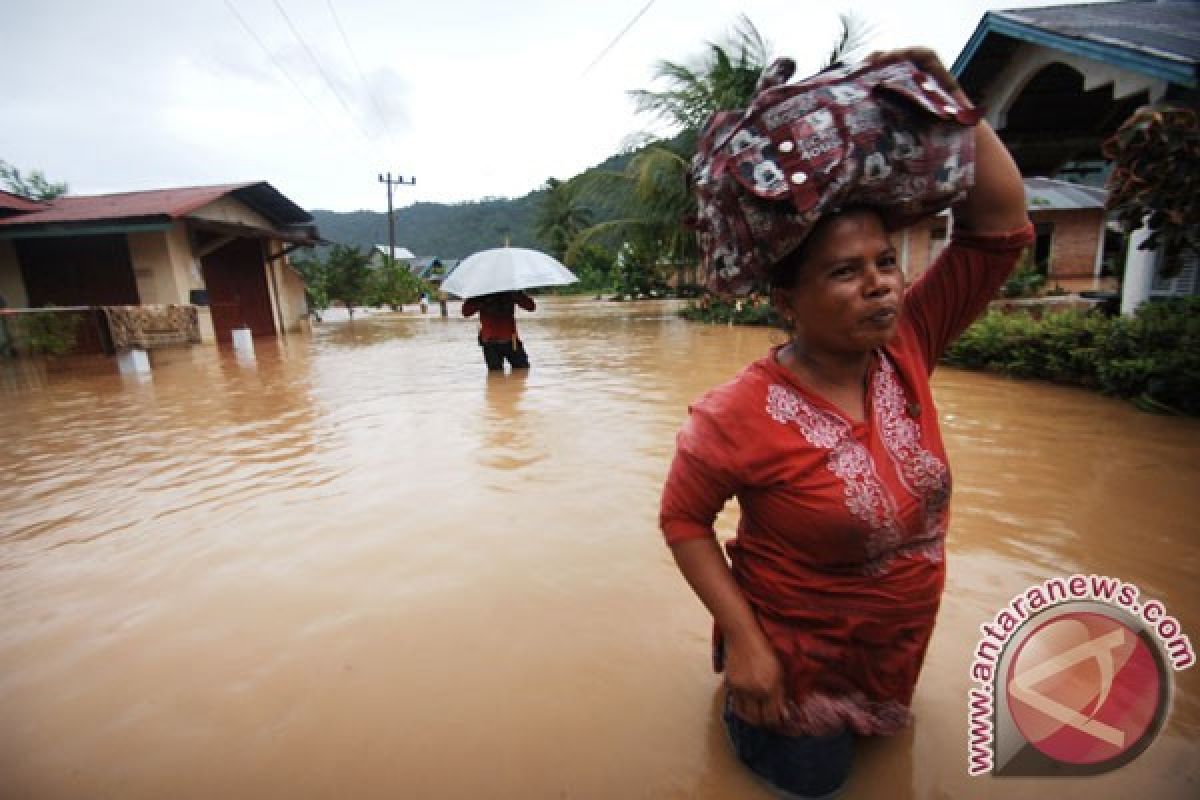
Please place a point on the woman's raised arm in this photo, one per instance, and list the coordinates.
(996, 203)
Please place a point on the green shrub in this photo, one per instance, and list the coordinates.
(1025, 282)
(49, 332)
(716, 310)
(1152, 358)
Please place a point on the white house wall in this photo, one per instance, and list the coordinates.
(12, 286)
(1030, 59)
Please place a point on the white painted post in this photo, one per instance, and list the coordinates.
(243, 340)
(133, 362)
(1139, 272)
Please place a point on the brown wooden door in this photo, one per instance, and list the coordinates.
(237, 289)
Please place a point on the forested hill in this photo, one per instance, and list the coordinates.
(435, 229)
(449, 231)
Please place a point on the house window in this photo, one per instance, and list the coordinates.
(1185, 284)
(1044, 236)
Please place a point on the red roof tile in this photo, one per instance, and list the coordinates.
(172, 203)
(14, 202)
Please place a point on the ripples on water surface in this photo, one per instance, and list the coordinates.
(358, 566)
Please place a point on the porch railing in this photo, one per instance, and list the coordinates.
(81, 330)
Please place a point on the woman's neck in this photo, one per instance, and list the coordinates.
(826, 370)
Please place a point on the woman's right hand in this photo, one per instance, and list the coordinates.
(753, 673)
(754, 679)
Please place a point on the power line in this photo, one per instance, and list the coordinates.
(618, 38)
(321, 69)
(246, 27)
(358, 68)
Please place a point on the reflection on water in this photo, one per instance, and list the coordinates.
(359, 565)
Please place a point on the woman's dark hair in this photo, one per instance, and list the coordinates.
(784, 272)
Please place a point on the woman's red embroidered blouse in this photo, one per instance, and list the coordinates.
(839, 548)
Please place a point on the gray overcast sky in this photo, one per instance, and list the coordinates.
(475, 98)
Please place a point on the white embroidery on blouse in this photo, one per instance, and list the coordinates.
(921, 473)
(820, 428)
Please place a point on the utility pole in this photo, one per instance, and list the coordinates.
(399, 181)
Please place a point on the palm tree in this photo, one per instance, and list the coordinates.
(560, 217)
(655, 181)
(723, 78)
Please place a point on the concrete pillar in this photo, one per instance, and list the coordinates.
(1139, 272)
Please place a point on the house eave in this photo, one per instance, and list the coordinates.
(1163, 66)
(84, 228)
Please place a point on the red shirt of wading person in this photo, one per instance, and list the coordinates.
(839, 548)
(497, 314)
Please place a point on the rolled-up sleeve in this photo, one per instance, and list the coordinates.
(958, 286)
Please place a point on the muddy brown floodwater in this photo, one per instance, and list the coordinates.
(357, 566)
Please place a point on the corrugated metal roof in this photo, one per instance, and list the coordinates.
(1047, 194)
(158, 203)
(1165, 28)
(1155, 38)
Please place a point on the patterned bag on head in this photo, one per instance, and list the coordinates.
(888, 137)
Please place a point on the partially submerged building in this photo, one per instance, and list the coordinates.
(162, 266)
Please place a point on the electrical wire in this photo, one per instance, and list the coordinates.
(358, 68)
(618, 38)
(250, 31)
(321, 70)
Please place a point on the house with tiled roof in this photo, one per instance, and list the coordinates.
(210, 257)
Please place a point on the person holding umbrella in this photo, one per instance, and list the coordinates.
(498, 327)
(492, 283)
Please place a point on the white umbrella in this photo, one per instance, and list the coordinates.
(505, 269)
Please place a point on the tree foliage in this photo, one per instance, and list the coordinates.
(393, 285)
(342, 275)
(348, 276)
(722, 78)
(560, 217)
(315, 273)
(34, 186)
(1156, 180)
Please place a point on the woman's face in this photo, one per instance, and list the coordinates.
(846, 295)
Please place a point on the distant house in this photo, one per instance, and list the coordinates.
(211, 258)
(379, 255)
(434, 270)
(1058, 81)
(1070, 223)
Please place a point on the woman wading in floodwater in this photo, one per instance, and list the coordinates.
(830, 442)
